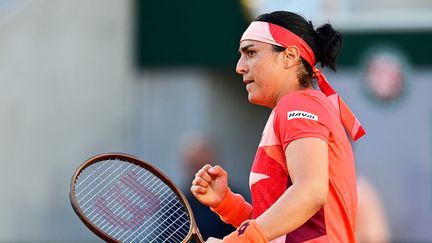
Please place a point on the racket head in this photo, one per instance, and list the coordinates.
(100, 199)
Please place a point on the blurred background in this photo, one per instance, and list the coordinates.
(84, 77)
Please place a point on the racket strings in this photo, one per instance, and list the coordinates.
(174, 226)
(173, 235)
(173, 197)
(105, 181)
(116, 207)
(177, 213)
(111, 201)
(77, 185)
(109, 197)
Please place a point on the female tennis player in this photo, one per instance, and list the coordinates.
(303, 180)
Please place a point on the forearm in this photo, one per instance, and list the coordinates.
(298, 204)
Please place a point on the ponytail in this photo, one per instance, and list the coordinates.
(329, 44)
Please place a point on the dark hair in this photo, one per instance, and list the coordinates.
(325, 42)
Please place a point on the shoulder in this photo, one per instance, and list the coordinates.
(302, 114)
(308, 104)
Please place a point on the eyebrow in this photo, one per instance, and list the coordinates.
(245, 48)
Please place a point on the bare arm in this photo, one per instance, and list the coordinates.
(307, 161)
(372, 224)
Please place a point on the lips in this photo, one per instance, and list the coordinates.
(247, 81)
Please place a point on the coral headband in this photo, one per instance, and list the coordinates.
(279, 36)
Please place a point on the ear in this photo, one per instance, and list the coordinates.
(291, 56)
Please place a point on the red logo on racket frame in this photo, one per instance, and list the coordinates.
(135, 215)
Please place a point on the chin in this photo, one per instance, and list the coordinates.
(257, 101)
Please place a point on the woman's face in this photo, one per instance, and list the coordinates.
(262, 70)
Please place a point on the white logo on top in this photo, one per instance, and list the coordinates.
(302, 114)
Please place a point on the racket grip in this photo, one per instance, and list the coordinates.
(197, 238)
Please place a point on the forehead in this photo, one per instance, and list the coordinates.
(254, 43)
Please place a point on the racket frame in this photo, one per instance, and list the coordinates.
(193, 232)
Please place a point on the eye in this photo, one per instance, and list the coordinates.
(251, 53)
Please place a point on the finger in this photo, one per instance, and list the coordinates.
(198, 181)
(196, 190)
(211, 239)
(216, 171)
(206, 167)
(204, 174)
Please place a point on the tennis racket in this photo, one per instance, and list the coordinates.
(124, 199)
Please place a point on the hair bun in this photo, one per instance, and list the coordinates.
(329, 42)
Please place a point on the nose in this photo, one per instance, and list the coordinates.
(241, 67)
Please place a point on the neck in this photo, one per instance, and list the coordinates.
(287, 91)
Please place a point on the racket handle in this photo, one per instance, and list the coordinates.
(197, 238)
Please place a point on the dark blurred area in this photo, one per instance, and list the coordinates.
(197, 149)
